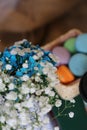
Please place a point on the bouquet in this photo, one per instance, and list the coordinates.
(27, 80)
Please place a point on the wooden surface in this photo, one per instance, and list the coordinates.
(28, 15)
(76, 17)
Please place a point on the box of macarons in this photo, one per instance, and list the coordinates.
(70, 50)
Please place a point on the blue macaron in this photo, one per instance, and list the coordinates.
(81, 43)
(78, 64)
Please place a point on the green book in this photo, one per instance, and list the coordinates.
(79, 119)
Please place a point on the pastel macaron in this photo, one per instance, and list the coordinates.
(62, 54)
(81, 43)
(78, 64)
(64, 74)
(70, 45)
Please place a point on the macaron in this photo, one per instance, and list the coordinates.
(78, 64)
(70, 45)
(64, 74)
(81, 43)
(62, 54)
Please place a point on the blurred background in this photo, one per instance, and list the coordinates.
(40, 21)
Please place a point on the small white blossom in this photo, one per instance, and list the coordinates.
(72, 101)
(11, 96)
(46, 120)
(20, 42)
(35, 68)
(13, 52)
(20, 96)
(25, 65)
(18, 106)
(2, 87)
(37, 79)
(52, 93)
(11, 86)
(23, 118)
(25, 77)
(47, 90)
(1, 81)
(56, 128)
(8, 67)
(6, 79)
(45, 109)
(32, 90)
(21, 53)
(24, 89)
(38, 92)
(58, 103)
(71, 114)
(12, 122)
(35, 57)
(54, 57)
(2, 119)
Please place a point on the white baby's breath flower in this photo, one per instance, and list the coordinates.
(21, 53)
(12, 122)
(11, 96)
(35, 57)
(2, 119)
(37, 79)
(30, 103)
(40, 54)
(72, 101)
(32, 84)
(32, 90)
(6, 79)
(47, 90)
(55, 58)
(25, 65)
(20, 96)
(46, 120)
(13, 114)
(1, 80)
(71, 114)
(1, 99)
(45, 109)
(25, 77)
(8, 104)
(52, 93)
(2, 87)
(20, 42)
(24, 118)
(26, 50)
(8, 67)
(35, 68)
(18, 106)
(13, 52)
(6, 127)
(24, 89)
(56, 128)
(11, 86)
(38, 93)
(58, 103)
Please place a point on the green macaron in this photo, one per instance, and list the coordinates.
(70, 45)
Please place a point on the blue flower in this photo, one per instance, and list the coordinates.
(19, 74)
(26, 44)
(24, 70)
(13, 59)
(6, 53)
(31, 60)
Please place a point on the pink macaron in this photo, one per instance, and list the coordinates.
(62, 54)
